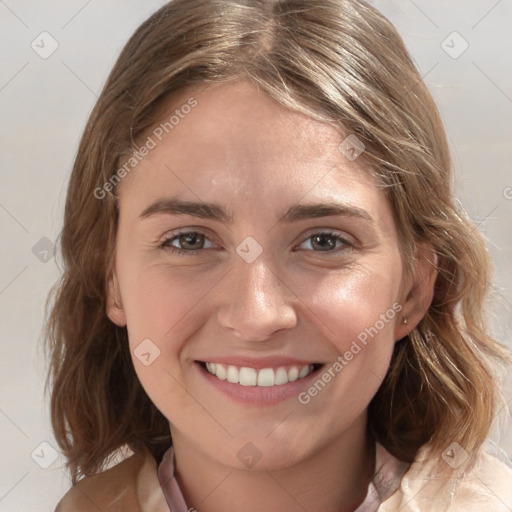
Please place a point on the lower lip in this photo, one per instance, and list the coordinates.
(259, 395)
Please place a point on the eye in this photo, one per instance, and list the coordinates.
(328, 241)
(191, 242)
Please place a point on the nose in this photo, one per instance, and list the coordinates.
(256, 303)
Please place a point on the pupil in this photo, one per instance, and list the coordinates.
(189, 238)
(324, 246)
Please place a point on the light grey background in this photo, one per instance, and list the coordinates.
(44, 104)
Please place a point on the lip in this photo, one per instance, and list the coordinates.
(251, 396)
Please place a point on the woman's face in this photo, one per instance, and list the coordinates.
(247, 238)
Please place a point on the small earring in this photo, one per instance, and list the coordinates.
(404, 320)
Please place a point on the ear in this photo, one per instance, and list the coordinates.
(419, 292)
(115, 309)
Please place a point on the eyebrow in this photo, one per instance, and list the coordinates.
(212, 211)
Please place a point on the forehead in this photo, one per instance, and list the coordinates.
(238, 145)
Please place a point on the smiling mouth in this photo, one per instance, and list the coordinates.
(264, 377)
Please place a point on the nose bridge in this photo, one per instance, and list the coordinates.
(256, 303)
(258, 282)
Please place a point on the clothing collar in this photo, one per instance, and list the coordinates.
(387, 477)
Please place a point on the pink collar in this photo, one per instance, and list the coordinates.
(388, 475)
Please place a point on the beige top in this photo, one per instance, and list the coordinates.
(430, 484)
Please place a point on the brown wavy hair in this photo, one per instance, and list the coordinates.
(338, 61)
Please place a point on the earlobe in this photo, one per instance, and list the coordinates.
(115, 309)
(421, 291)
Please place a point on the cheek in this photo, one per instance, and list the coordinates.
(356, 313)
(357, 303)
(163, 306)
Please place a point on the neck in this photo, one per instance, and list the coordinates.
(335, 477)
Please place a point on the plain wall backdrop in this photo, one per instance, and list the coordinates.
(55, 58)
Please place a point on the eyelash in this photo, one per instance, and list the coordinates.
(182, 252)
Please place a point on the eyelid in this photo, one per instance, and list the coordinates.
(171, 235)
(330, 231)
(348, 242)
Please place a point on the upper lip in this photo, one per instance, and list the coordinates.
(257, 362)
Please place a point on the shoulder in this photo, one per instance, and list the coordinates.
(112, 490)
(434, 483)
(488, 483)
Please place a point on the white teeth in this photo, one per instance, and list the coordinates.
(293, 374)
(233, 374)
(248, 376)
(303, 372)
(265, 377)
(220, 372)
(281, 377)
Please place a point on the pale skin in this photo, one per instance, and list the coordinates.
(241, 150)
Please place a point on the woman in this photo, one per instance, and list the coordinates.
(269, 295)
